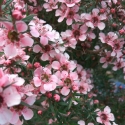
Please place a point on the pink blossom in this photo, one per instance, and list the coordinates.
(94, 20)
(69, 41)
(70, 3)
(23, 110)
(85, 87)
(71, 15)
(63, 64)
(106, 60)
(16, 39)
(104, 117)
(62, 12)
(44, 78)
(79, 32)
(117, 46)
(109, 38)
(50, 5)
(119, 63)
(5, 115)
(47, 51)
(11, 93)
(81, 122)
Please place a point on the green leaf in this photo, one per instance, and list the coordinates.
(70, 103)
(28, 18)
(1, 1)
(6, 4)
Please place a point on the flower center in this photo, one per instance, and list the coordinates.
(45, 77)
(104, 117)
(18, 107)
(47, 48)
(108, 59)
(71, 14)
(13, 36)
(81, 89)
(95, 20)
(64, 67)
(67, 81)
(76, 33)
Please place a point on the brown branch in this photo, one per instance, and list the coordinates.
(33, 106)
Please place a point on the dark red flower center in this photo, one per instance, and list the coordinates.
(68, 81)
(103, 117)
(76, 33)
(13, 36)
(95, 20)
(47, 48)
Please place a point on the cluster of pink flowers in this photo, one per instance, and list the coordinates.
(35, 60)
(62, 75)
(104, 117)
(12, 93)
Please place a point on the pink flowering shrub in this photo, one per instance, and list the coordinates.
(59, 62)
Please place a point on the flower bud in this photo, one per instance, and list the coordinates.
(121, 32)
(113, 11)
(39, 112)
(37, 64)
(29, 66)
(17, 14)
(102, 10)
(96, 101)
(56, 97)
(49, 95)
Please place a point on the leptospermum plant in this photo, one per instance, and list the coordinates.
(58, 59)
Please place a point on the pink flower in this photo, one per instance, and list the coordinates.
(50, 5)
(85, 87)
(117, 46)
(70, 3)
(62, 12)
(19, 110)
(47, 51)
(16, 39)
(69, 41)
(71, 15)
(109, 38)
(79, 32)
(94, 20)
(63, 64)
(5, 115)
(67, 81)
(44, 79)
(11, 93)
(119, 63)
(104, 117)
(81, 122)
(106, 60)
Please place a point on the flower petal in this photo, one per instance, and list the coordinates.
(101, 25)
(10, 51)
(21, 26)
(26, 41)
